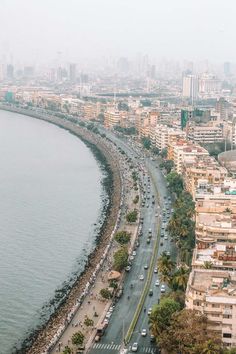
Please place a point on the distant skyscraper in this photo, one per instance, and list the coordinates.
(227, 69)
(123, 65)
(10, 71)
(190, 86)
(59, 74)
(28, 71)
(72, 72)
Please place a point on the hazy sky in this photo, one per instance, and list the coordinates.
(36, 30)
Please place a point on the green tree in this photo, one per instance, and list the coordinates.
(163, 153)
(155, 151)
(77, 338)
(101, 117)
(121, 259)
(160, 318)
(122, 237)
(123, 106)
(88, 322)
(180, 278)
(105, 293)
(146, 143)
(207, 265)
(67, 350)
(167, 165)
(165, 267)
(175, 182)
(132, 216)
(188, 334)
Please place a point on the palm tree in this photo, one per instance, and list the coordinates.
(165, 266)
(207, 265)
(180, 278)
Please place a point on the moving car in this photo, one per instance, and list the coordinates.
(141, 277)
(134, 347)
(155, 270)
(150, 292)
(144, 332)
(157, 283)
(149, 311)
(163, 289)
(146, 266)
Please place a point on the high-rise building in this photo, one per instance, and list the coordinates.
(10, 71)
(209, 84)
(190, 86)
(72, 72)
(222, 107)
(227, 68)
(28, 71)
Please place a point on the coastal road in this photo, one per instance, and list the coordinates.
(125, 308)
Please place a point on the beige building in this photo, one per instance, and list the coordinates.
(213, 293)
(111, 118)
(206, 134)
(186, 151)
(201, 169)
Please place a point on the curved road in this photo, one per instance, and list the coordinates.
(125, 308)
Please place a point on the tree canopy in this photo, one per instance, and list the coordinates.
(175, 182)
(146, 143)
(120, 259)
(187, 333)
(122, 237)
(78, 338)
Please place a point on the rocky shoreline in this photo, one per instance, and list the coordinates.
(38, 340)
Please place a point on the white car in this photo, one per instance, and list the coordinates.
(165, 238)
(134, 253)
(134, 347)
(141, 277)
(149, 311)
(163, 289)
(155, 270)
(157, 283)
(168, 253)
(144, 332)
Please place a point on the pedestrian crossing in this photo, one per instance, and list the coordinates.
(117, 347)
(106, 346)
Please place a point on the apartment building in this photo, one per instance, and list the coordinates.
(213, 293)
(201, 169)
(186, 150)
(206, 134)
(111, 118)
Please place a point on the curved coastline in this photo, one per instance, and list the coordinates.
(39, 338)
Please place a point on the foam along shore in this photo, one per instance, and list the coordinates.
(44, 338)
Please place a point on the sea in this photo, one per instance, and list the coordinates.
(51, 196)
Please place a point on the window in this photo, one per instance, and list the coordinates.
(227, 335)
(227, 316)
(216, 305)
(228, 306)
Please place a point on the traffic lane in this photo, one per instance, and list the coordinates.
(125, 308)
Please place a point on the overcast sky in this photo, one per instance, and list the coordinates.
(36, 30)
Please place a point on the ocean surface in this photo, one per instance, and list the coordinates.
(50, 198)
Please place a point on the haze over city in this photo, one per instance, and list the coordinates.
(117, 177)
(177, 30)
